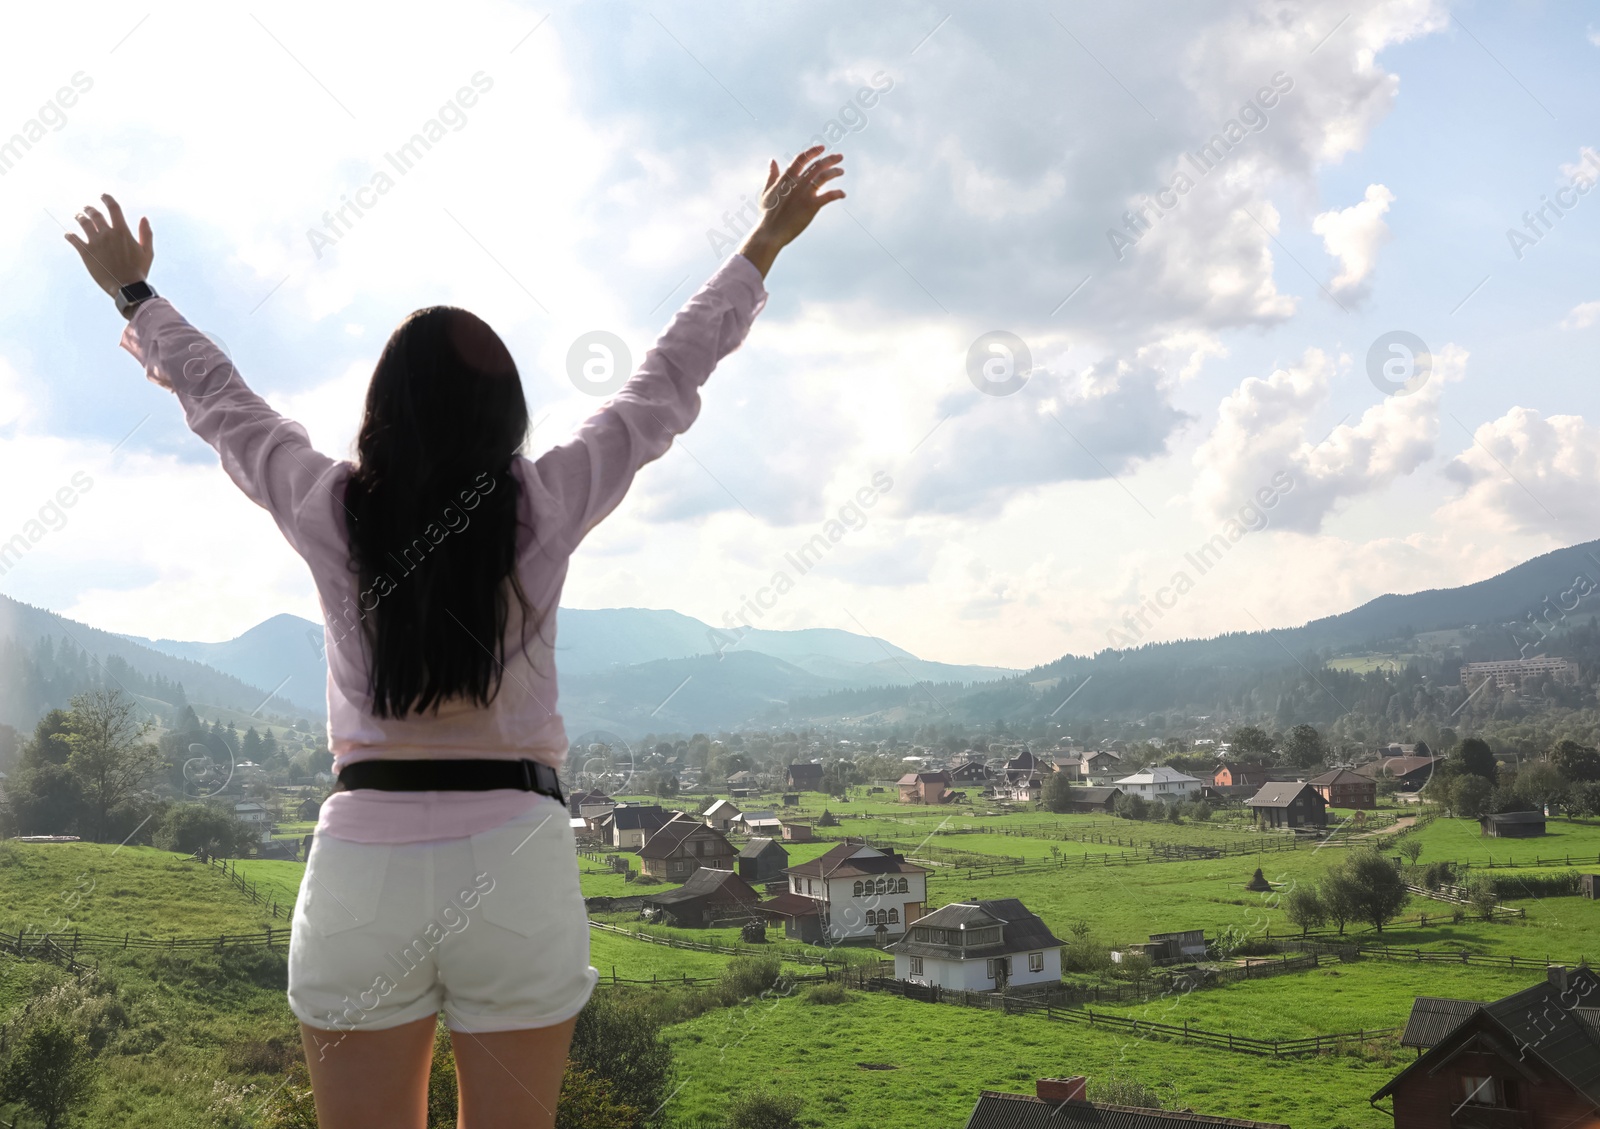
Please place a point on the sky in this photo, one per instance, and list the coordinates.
(1111, 283)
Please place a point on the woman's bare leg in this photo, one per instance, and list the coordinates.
(371, 1079)
(511, 1079)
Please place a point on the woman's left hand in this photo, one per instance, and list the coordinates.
(109, 250)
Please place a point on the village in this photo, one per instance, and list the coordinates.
(771, 859)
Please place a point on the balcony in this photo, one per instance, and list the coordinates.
(1489, 1117)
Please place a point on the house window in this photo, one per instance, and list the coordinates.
(894, 917)
(797, 885)
(1479, 1090)
(856, 889)
(903, 888)
(872, 917)
(916, 966)
(1035, 962)
(1000, 966)
(919, 934)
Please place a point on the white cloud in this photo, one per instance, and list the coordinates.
(1581, 316)
(1264, 428)
(1529, 474)
(1353, 236)
(1061, 426)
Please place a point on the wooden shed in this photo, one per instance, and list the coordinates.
(1512, 824)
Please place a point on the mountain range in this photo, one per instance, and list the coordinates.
(632, 670)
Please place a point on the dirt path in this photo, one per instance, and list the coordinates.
(1401, 823)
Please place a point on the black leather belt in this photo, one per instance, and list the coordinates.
(477, 775)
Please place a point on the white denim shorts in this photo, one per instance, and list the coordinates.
(490, 928)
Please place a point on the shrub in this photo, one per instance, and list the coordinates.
(587, 1101)
(1436, 874)
(1117, 1090)
(1561, 884)
(262, 1056)
(764, 1109)
(618, 1038)
(748, 976)
(831, 992)
(91, 1009)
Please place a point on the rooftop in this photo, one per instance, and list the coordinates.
(1025, 1111)
(1280, 794)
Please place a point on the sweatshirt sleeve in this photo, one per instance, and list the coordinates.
(586, 477)
(268, 457)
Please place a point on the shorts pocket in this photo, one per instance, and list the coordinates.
(526, 870)
(342, 884)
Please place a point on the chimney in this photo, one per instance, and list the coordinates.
(1061, 1089)
(1557, 975)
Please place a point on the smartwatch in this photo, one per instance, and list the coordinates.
(132, 294)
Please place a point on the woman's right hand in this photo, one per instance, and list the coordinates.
(109, 248)
(790, 202)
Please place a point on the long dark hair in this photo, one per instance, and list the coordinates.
(431, 508)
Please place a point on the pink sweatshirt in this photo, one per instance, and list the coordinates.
(565, 493)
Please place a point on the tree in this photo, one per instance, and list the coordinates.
(1476, 757)
(187, 828)
(1305, 747)
(1577, 763)
(1411, 849)
(1131, 806)
(1057, 794)
(1305, 908)
(1370, 887)
(1250, 743)
(1481, 896)
(1584, 799)
(1471, 796)
(49, 1071)
(1541, 784)
(110, 757)
(1136, 965)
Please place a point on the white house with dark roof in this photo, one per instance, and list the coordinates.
(849, 893)
(979, 946)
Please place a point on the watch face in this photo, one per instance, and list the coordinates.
(136, 291)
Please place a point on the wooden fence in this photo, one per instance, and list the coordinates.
(1186, 1033)
(70, 944)
(707, 947)
(247, 888)
(1355, 950)
(1458, 896)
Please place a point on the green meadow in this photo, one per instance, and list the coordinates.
(207, 1034)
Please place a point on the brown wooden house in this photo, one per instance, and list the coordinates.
(1528, 1061)
(1289, 804)
(683, 845)
(708, 897)
(1093, 799)
(803, 777)
(1345, 789)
